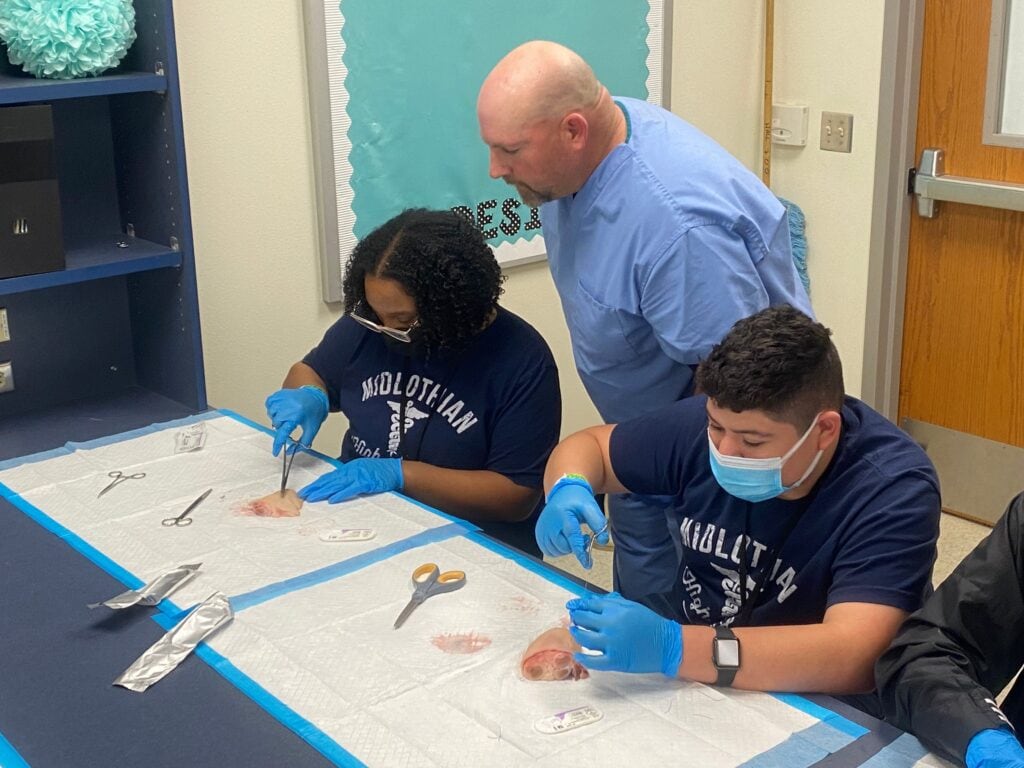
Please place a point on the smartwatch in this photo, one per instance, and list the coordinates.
(725, 654)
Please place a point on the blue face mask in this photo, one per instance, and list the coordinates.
(756, 479)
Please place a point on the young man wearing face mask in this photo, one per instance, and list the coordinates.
(450, 399)
(806, 521)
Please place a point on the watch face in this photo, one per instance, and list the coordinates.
(727, 653)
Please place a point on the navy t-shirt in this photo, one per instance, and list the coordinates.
(496, 405)
(867, 532)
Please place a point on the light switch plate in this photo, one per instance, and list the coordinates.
(836, 131)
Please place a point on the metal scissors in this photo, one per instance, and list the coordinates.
(183, 518)
(428, 581)
(287, 463)
(120, 477)
(590, 542)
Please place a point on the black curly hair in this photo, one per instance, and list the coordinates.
(443, 262)
(778, 361)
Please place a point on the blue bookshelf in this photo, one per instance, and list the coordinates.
(96, 262)
(123, 314)
(23, 89)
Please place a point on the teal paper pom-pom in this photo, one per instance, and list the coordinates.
(63, 39)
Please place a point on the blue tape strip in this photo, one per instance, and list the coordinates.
(272, 705)
(903, 752)
(33, 457)
(74, 541)
(9, 757)
(344, 567)
(555, 577)
(794, 752)
(827, 736)
(71, 447)
(838, 722)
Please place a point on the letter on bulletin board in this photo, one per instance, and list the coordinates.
(393, 89)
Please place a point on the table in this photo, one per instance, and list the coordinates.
(59, 707)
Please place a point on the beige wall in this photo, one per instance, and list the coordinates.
(827, 56)
(251, 179)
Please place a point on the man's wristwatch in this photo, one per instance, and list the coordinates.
(725, 653)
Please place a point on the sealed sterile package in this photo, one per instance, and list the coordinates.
(191, 438)
(170, 650)
(153, 592)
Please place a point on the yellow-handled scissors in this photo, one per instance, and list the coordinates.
(427, 581)
(120, 477)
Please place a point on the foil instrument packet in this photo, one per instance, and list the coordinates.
(191, 438)
(170, 650)
(153, 592)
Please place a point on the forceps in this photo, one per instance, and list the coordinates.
(286, 467)
(590, 543)
(183, 518)
(120, 477)
(428, 581)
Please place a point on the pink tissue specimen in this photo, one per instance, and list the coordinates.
(466, 642)
(272, 505)
(549, 657)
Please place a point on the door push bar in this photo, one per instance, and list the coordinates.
(930, 184)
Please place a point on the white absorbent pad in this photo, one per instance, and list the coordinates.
(313, 624)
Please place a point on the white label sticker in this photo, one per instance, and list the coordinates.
(348, 534)
(566, 721)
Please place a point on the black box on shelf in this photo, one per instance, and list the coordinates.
(31, 239)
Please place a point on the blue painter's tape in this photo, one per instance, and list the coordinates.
(794, 752)
(33, 457)
(465, 524)
(277, 709)
(120, 437)
(904, 751)
(344, 567)
(74, 541)
(284, 714)
(71, 447)
(827, 736)
(529, 564)
(9, 757)
(262, 428)
(244, 420)
(838, 722)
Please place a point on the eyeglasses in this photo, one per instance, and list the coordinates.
(394, 333)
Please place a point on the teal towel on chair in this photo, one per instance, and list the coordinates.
(797, 226)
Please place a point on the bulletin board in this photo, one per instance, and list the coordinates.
(393, 89)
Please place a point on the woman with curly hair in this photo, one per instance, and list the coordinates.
(451, 399)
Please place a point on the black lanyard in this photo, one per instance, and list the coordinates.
(748, 600)
(404, 399)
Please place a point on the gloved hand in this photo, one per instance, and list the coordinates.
(304, 407)
(631, 637)
(558, 532)
(356, 477)
(994, 748)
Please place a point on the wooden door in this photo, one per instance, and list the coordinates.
(962, 372)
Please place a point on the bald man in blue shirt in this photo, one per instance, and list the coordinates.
(658, 241)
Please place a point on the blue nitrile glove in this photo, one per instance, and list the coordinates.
(304, 407)
(558, 532)
(994, 748)
(356, 477)
(631, 637)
